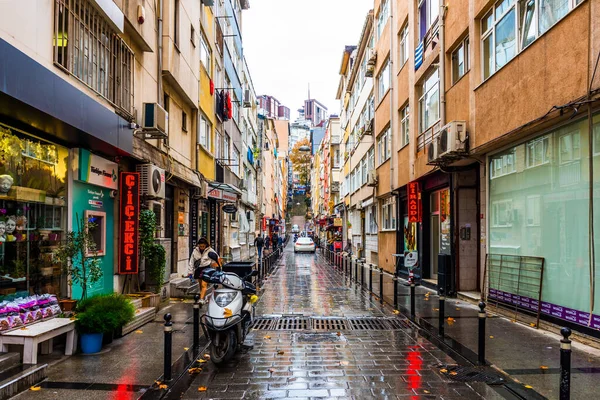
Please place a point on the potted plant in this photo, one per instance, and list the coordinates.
(91, 326)
(115, 311)
(155, 256)
(79, 257)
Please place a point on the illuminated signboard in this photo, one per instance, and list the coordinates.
(414, 202)
(128, 224)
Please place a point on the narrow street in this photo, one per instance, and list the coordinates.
(333, 362)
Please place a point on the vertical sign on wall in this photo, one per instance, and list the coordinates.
(128, 223)
(213, 223)
(193, 222)
(414, 202)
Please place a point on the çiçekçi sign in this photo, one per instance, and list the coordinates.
(128, 223)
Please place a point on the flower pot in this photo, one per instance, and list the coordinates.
(91, 342)
(67, 304)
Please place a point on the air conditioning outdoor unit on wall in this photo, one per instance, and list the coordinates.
(152, 181)
(372, 178)
(155, 119)
(247, 102)
(432, 150)
(372, 54)
(452, 138)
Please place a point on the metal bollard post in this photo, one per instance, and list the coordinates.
(168, 346)
(356, 271)
(412, 299)
(371, 278)
(196, 321)
(481, 341)
(362, 275)
(441, 316)
(381, 286)
(395, 281)
(565, 364)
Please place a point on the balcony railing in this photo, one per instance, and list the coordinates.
(427, 137)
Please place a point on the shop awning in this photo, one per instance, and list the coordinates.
(223, 191)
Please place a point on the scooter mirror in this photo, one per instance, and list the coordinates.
(213, 256)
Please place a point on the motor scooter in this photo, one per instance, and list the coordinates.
(230, 311)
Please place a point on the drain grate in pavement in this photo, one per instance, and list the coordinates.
(329, 324)
(302, 323)
(473, 374)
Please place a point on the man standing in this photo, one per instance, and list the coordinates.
(259, 242)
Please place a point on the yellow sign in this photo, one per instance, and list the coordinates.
(337, 222)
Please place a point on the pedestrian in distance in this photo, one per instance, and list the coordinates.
(267, 242)
(280, 241)
(259, 242)
(348, 248)
(198, 261)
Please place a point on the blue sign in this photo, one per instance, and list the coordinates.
(419, 55)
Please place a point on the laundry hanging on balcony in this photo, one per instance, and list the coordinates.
(227, 107)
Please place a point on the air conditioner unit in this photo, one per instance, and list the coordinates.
(152, 181)
(196, 192)
(247, 102)
(372, 54)
(155, 118)
(452, 138)
(372, 178)
(157, 208)
(432, 150)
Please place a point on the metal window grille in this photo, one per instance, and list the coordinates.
(87, 47)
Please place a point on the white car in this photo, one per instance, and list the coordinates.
(295, 229)
(304, 244)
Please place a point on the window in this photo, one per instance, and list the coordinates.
(503, 164)
(193, 35)
(382, 17)
(336, 160)
(226, 153)
(537, 16)
(383, 80)
(403, 40)
(97, 228)
(498, 38)
(218, 145)
(533, 210)
(428, 15)
(205, 54)
(388, 214)
(429, 103)
(569, 146)
(372, 159)
(537, 152)
(363, 166)
(596, 139)
(460, 61)
(183, 121)
(404, 126)
(205, 133)
(235, 161)
(93, 52)
(502, 213)
(383, 143)
(176, 23)
(372, 220)
(166, 100)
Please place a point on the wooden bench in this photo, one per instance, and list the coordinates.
(42, 332)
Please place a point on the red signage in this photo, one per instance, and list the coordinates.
(414, 202)
(128, 224)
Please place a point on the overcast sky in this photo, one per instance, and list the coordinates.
(291, 43)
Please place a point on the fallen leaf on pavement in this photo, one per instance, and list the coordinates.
(23, 329)
(396, 312)
(491, 337)
(543, 367)
(443, 370)
(186, 348)
(139, 331)
(450, 321)
(513, 320)
(271, 370)
(532, 325)
(436, 309)
(195, 370)
(35, 388)
(426, 391)
(344, 363)
(201, 361)
(267, 337)
(528, 387)
(280, 352)
(427, 294)
(137, 311)
(457, 308)
(163, 386)
(453, 373)
(427, 298)
(339, 333)
(202, 389)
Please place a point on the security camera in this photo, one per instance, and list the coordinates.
(113, 194)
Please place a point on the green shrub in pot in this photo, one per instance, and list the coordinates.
(117, 310)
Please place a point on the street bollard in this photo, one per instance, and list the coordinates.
(168, 346)
(395, 281)
(565, 364)
(441, 316)
(362, 275)
(381, 286)
(412, 299)
(481, 341)
(371, 278)
(196, 321)
(356, 263)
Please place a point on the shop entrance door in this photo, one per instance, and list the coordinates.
(434, 238)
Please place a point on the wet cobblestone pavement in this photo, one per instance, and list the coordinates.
(357, 364)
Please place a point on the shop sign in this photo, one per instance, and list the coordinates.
(97, 170)
(213, 223)
(215, 193)
(337, 222)
(193, 222)
(128, 223)
(411, 259)
(180, 217)
(414, 202)
(229, 196)
(230, 208)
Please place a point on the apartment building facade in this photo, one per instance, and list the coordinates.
(485, 124)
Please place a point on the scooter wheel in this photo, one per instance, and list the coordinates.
(225, 350)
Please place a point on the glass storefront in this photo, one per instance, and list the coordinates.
(539, 205)
(33, 176)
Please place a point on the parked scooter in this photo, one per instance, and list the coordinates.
(230, 311)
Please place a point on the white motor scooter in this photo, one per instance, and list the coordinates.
(230, 311)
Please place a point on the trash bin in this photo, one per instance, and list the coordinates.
(241, 268)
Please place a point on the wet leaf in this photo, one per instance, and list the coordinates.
(280, 352)
(227, 312)
(139, 331)
(35, 388)
(450, 320)
(163, 386)
(201, 361)
(186, 348)
(453, 373)
(543, 367)
(491, 337)
(426, 391)
(267, 337)
(532, 325)
(206, 356)
(426, 298)
(427, 294)
(194, 371)
(443, 370)
(202, 389)
(396, 312)
(339, 333)
(436, 309)
(271, 370)
(528, 387)
(457, 308)
(73, 319)
(23, 329)
(513, 320)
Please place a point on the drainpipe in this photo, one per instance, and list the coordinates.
(442, 70)
(391, 61)
(159, 65)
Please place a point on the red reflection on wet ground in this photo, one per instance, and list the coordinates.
(123, 392)
(415, 364)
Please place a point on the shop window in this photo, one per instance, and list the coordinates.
(537, 152)
(96, 221)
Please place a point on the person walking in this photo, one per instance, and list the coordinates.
(267, 242)
(259, 242)
(198, 261)
(280, 241)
